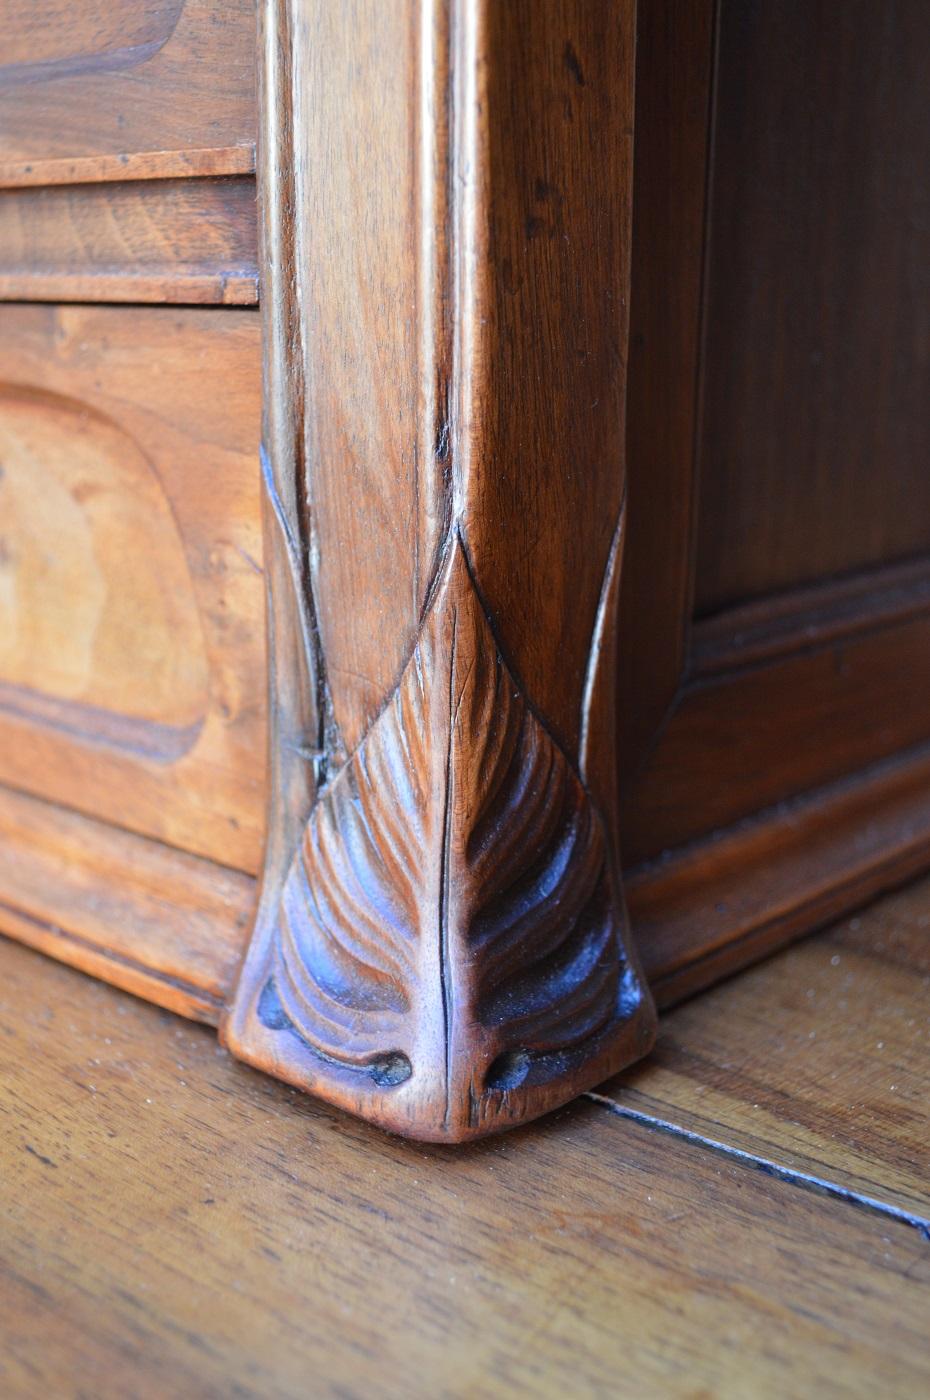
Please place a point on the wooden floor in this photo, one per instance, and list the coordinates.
(745, 1215)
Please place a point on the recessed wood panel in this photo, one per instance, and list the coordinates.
(45, 41)
(84, 78)
(703, 911)
(91, 643)
(816, 416)
(775, 715)
(132, 665)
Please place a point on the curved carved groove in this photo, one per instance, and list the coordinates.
(448, 931)
(441, 944)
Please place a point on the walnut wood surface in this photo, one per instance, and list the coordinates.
(801, 619)
(461, 379)
(106, 78)
(441, 943)
(137, 165)
(674, 67)
(702, 912)
(164, 240)
(816, 417)
(733, 722)
(158, 922)
(175, 1224)
(131, 647)
(696, 917)
(817, 1058)
(810, 421)
(750, 738)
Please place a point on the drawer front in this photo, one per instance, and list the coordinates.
(185, 241)
(132, 665)
(95, 81)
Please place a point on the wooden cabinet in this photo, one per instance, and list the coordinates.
(132, 649)
(592, 515)
(774, 635)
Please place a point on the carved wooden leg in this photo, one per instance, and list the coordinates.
(441, 944)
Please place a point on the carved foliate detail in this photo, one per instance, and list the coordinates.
(448, 932)
(441, 945)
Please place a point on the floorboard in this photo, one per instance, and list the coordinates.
(174, 1224)
(818, 1058)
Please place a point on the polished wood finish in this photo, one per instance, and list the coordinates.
(446, 277)
(817, 1059)
(137, 165)
(131, 646)
(828, 613)
(708, 909)
(441, 944)
(816, 415)
(102, 79)
(151, 919)
(770, 882)
(747, 740)
(146, 240)
(769, 329)
(674, 42)
(174, 1223)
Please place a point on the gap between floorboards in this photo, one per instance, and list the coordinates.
(805, 1181)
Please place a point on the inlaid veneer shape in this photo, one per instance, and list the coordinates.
(441, 944)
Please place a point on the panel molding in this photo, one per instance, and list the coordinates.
(803, 619)
(138, 431)
(187, 241)
(704, 911)
(158, 922)
(94, 80)
(135, 165)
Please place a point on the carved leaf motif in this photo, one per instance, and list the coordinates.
(452, 885)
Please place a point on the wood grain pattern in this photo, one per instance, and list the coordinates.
(817, 1058)
(459, 373)
(153, 240)
(447, 951)
(89, 78)
(137, 165)
(740, 727)
(712, 907)
(444, 997)
(139, 433)
(39, 44)
(674, 66)
(174, 1223)
(816, 421)
(696, 917)
(158, 922)
(747, 739)
(86, 643)
(803, 619)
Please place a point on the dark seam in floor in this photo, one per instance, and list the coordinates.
(806, 1181)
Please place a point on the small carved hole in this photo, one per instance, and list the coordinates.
(392, 1069)
(507, 1071)
(270, 1011)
